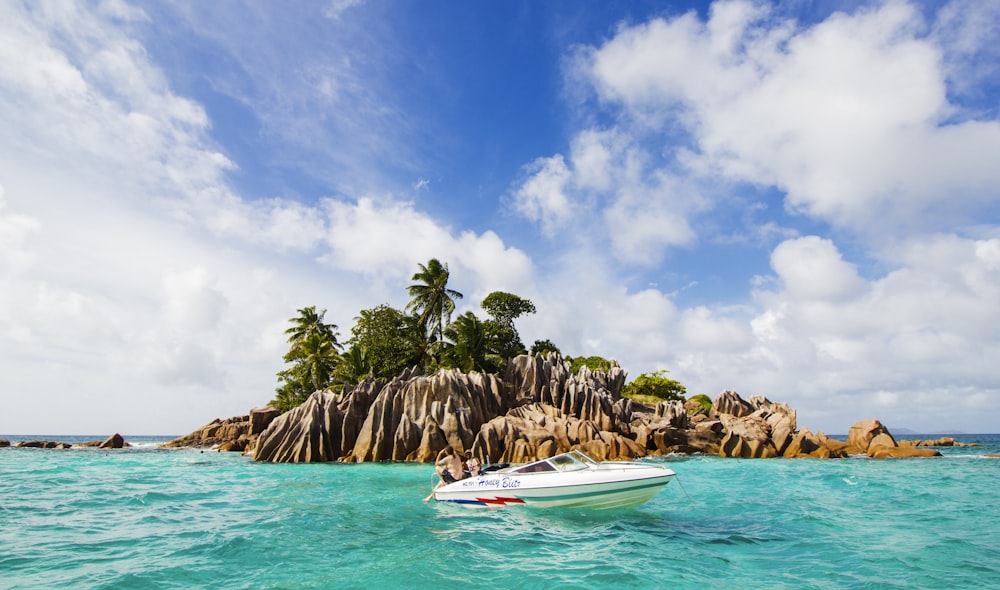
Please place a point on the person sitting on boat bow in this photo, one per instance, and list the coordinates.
(472, 465)
(449, 468)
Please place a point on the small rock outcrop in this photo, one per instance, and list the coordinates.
(871, 438)
(39, 444)
(115, 441)
(944, 441)
(729, 402)
(865, 433)
(753, 429)
(232, 434)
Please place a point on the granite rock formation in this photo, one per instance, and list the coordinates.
(536, 408)
(42, 444)
(944, 441)
(232, 434)
(115, 441)
(411, 417)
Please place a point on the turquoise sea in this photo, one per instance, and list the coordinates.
(155, 518)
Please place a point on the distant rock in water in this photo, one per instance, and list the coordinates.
(115, 441)
(944, 441)
(232, 434)
(40, 444)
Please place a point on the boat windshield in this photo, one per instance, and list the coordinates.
(582, 457)
(571, 461)
(568, 462)
(536, 467)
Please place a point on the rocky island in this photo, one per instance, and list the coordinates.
(536, 408)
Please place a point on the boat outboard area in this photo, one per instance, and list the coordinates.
(570, 479)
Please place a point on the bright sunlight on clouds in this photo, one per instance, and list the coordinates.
(795, 203)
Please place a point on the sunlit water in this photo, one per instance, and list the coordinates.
(152, 518)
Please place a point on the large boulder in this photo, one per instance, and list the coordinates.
(882, 451)
(261, 418)
(309, 433)
(411, 419)
(537, 430)
(730, 402)
(871, 438)
(781, 422)
(944, 441)
(216, 433)
(805, 443)
(674, 412)
(532, 378)
(865, 433)
(37, 444)
(705, 437)
(115, 441)
(748, 437)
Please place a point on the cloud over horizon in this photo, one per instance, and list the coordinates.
(801, 209)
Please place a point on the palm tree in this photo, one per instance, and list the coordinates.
(468, 347)
(317, 358)
(309, 322)
(432, 299)
(315, 353)
(354, 366)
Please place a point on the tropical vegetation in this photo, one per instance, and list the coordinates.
(315, 354)
(704, 402)
(384, 341)
(655, 386)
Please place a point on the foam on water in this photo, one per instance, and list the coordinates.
(153, 518)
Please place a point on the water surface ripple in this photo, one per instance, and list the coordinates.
(151, 518)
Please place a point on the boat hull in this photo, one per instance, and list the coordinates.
(611, 486)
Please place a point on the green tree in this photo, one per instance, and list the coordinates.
(468, 346)
(315, 358)
(310, 322)
(703, 400)
(506, 307)
(594, 363)
(314, 354)
(432, 300)
(655, 385)
(543, 347)
(503, 309)
(391, 340)
(354, 366)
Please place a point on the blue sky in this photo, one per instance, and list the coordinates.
(796, 200)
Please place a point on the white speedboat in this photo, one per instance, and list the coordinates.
(571, 479)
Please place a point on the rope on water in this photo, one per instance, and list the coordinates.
(686, 495)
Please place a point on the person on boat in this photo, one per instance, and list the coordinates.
(472, 465)
(449, 468)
